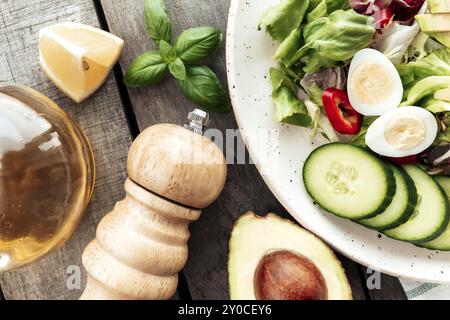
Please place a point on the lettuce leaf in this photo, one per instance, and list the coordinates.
(324, 79)
(436, 106)
(294, 40)
(331, 41)
(289, 46)
(395, 40)
(334, 5)
(444, 134)
(324, 7)
(425, 88)
(281, 19)
(360, 139)
(435, 64)
(288, 108)
(321, 10)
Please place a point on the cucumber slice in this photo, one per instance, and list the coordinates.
(432, 213)
(402, 206)
(443, 241)
(348, 181)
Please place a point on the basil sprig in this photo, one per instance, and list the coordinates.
(159, 26)
(199, 83)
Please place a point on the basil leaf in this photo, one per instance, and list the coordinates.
(196, 44)
(204, 88)
(177, 69)
(167, 52)
(146, 69)
(158, 22)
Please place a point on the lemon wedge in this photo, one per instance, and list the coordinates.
(77, 57)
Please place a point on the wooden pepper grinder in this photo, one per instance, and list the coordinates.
(142, 244)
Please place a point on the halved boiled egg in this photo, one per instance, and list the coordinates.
(374, 84)
(402, 132)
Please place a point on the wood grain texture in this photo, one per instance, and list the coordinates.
(177, 164)
(139, 249)
(245, 190)
(141, 246)
(102, 117)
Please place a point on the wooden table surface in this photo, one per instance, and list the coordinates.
(112, 118)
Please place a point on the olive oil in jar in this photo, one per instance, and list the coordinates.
(46, 176)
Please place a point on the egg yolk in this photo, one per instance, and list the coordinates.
(405, 132)
(371, 83)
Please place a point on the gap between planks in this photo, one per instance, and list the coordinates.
(118, 75)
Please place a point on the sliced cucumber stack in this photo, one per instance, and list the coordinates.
(402, 206)
(443, 241)
(348, 181)
(431, 216)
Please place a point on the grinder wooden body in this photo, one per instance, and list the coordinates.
(142, 244)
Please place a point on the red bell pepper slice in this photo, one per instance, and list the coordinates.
(340, 112)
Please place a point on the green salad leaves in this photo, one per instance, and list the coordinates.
(317, 33)
(281, 19)
(435, 64)
(332, 40)
(427, 81)
(313, 34)
(199, 83)
(288, 108)
(426, 87)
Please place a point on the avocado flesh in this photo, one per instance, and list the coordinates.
(438, 6)
(434, 23)
(253, 237)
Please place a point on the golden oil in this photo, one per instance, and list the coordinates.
(46, 176)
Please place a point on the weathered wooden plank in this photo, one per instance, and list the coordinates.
(102, 117)
(206, 272)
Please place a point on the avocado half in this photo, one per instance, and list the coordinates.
(273, 258)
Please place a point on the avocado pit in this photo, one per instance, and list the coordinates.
(285, 275)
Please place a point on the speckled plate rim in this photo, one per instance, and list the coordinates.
(235, 100)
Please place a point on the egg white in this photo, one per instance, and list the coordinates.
(371, 56)
(376, 140)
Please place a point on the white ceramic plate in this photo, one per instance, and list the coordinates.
(280, 150)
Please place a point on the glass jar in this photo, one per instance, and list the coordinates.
(47, 175)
